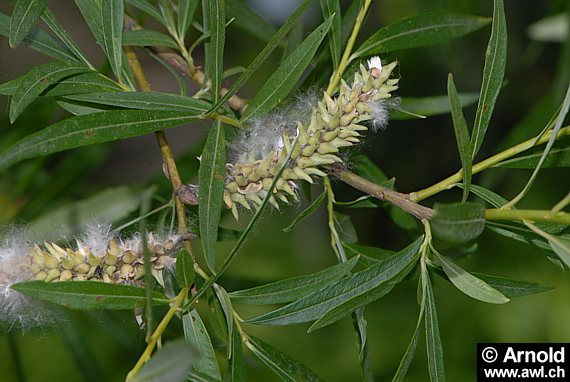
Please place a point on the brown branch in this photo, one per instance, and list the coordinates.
(165, 151)
(180, 64)
(382, 193)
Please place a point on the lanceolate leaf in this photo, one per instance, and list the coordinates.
(284, 78)
(226, 305)
(196, 334)
(144, 37)
(513, 288)
(558, 156)
(145, 101)
(461, 135)
(264, 54)
(433, 339)
(423, 30)
(148, 8)
(469, 284)
(89, 82)
(24, 17)
(37, 80)
(212, 177)
(493, 72)
(281, 364)
(112, 17)
(411, 349)
(89, 295)
(39, 41)
(235, 367)
(185, 273)
(90, 129)
(458, 222)
(216, 46)
(294, 288)
(348, 294)
(186, 10)
(49, 18)
(331, 8)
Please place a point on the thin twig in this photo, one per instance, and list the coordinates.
(382, 193)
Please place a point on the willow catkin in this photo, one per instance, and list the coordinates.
(334, 123)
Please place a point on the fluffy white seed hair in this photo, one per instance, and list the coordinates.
(375, 63)
(16, 310)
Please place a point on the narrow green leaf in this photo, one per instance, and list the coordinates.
(433, 339)
(110, 205)
(90, 82)
(359, 324)
(217, 316)
(429, 106)
(226, 305)
(458, 222)
(562, 248)
(331, 8)
(558, 156)
(306, 212)
(82, 108)
(186, 10)
(493, 73)
(89, 129)
(217, 42)
(518, 233)
(196, 334)
(235, 367)
(144, 37)
(89, 295)
(461, 135)
(51, 21)
(294, 288)
(147, 7)
(469, 284)
(411, 349)
(39, 41)
(171, 363)
(513, 288)
(212, 175)
(426, 29)
(145, 101)
(112, 14)
(372, 254)
(36, 81)
(24, 17)
(281, 364)
(185, 273)
(92, 14)
(249, 21)
(264, 54)
(489, 196)
(347, 294)
(284, 78)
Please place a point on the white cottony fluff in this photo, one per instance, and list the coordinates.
(375, 62)
(16, 309)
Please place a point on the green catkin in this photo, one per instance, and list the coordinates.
(334, 123)
(119, 263)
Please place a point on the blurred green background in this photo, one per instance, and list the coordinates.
(103, 346)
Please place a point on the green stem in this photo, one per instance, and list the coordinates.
(530, 215)
(335, 239)
(450, 182)
(178, 300)
(345, 60)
